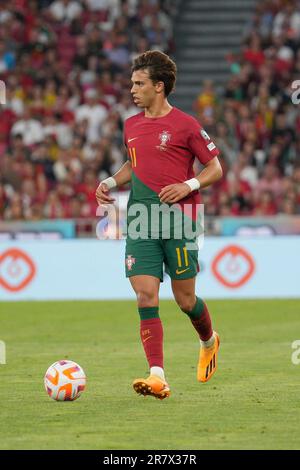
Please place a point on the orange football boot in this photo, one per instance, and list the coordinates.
(153, 385)
(207, 364)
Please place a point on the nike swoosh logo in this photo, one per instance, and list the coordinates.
(130, 140)
(146, 339)
(182, 271)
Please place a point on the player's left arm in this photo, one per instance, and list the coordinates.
(211, 173)
(200, 145)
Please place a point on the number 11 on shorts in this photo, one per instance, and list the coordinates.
(181, 258)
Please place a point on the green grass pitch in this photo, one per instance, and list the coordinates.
(252, 402)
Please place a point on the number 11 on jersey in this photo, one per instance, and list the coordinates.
(132, 154)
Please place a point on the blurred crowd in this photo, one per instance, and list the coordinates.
(66, 66)
(256, 121)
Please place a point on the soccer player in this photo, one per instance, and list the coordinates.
(162, 144)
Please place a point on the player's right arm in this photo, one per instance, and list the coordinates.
(122, 176)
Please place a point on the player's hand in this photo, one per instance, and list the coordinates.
(102, 195)
(174, 192)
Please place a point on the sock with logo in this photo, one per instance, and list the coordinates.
(151, 332)
(201, 321)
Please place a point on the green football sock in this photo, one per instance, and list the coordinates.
(146, 313)
(197, 309)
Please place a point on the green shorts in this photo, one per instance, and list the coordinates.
(147, 257)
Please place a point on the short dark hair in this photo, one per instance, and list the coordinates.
(161, 68)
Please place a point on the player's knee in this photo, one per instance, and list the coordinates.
(186, 303)
(147, 298)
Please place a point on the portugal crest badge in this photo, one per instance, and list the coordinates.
(164, 138)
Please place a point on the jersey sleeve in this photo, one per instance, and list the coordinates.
(200, 144)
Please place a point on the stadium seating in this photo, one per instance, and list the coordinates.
(53, 153)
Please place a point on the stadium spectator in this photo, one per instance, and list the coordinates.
(7, 58)
(30, 129)
(265, 205)
(206, 102)
(93, 112)
(65, 10)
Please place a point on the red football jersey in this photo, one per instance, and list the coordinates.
(163, 149)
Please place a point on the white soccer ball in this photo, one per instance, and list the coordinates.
(64, 381)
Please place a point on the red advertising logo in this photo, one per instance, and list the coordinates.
(233, 266)
(16, 270)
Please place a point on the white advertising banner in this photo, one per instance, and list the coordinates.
(92, 269)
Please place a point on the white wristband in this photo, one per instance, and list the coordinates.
(110, 182)
(193, 183)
